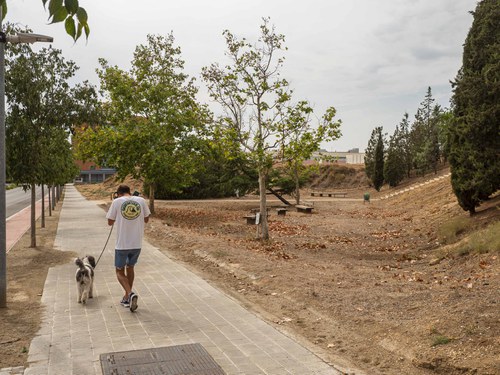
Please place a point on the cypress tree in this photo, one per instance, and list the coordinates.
(378, 170)
(374, 168)
(394, 165)
(474, 137)
(370, 155)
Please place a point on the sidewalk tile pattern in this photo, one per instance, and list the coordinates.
(176, 307)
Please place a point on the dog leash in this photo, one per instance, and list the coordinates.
(106, 244)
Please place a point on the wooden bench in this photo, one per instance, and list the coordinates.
(329, 194)
(302, 208)
(250, 219)
(281, 211)
(340, 194)
(255, 210)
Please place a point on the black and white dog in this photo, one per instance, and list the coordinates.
(85, 278)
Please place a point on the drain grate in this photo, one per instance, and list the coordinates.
(190, 359)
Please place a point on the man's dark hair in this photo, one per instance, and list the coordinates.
(123, 189)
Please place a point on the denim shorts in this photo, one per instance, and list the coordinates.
(126, 257)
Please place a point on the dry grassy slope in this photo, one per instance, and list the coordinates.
(104, 191)
(336, 176)
(435, 204)
(431, 205)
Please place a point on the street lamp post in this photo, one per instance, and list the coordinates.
(18, 38)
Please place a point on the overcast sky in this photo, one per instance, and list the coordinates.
(371, 59)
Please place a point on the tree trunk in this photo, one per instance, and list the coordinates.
(43, 206)
(53, 198)
(50, 200)
(152, 198)
(33, 221)
(297, 184)
(263, 206)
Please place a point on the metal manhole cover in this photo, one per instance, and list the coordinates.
(190, 359)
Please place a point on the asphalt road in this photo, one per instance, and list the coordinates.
(17, 199)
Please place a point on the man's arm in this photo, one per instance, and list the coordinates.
(147, 212)
(111, 215)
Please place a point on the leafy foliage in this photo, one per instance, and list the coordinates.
(153, 119)
(70, 12)
(218, 173)
(299, 139)
(40, 113)
(474, 141)
(39, 116)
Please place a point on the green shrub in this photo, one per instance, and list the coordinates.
(449, 231)
(440, 340)
(483, 241)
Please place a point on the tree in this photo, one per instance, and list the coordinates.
(38, 119)
(299, 140)
(378, 167)
(446, 121)
(152, 118)
(474, 140)
(404, 133)
(370, 152)
(253, 96)
(219, 173)
(394, 165)
(424, 135)
(74, 16)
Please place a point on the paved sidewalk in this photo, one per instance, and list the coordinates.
(175, 307)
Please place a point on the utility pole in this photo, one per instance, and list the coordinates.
(3, 215)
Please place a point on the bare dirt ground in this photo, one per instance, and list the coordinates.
(26, 273)
(353, 279)
(364, 285)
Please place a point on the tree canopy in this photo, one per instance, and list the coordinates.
(39, 118)
(299, 138)
(474, 140)
(152, 117)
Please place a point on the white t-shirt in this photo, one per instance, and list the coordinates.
(128, 212)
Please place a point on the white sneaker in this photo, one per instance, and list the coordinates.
(133, 301)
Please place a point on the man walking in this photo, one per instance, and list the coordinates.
(129, 213)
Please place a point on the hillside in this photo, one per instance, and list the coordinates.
(338, 176)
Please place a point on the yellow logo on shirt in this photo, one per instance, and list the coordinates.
(130, 210)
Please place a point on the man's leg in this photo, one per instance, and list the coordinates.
(123, 280)
(130, 276)
(120, 262)
(133, 256)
